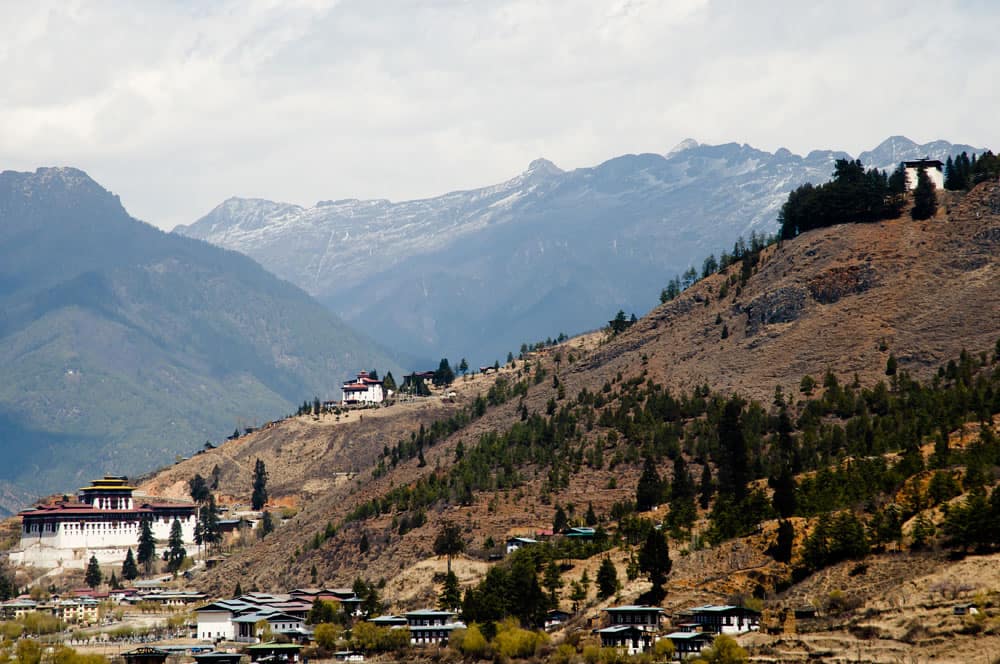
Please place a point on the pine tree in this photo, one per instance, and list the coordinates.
(559, 520)
(175, 547)
(784, 486)
(952, 180)
(266, 525)
(444, 374)
(654, 560)
(130, 570)
(93, 576)
(649, 491)
(782, 550)
(207, 529)
(198, 488)
(590, 518)
(705, 487)
(682, 497)
(607, 579)
(924, 197)
(238, 590)
(552, 581)
(389, 383)
(259, 497)
(146, 551)
(897, 181)
(450, 598)
(448, 541)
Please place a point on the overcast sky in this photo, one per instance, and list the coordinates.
(176, 106)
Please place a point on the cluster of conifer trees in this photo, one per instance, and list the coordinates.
(965, 172)
(853, 195)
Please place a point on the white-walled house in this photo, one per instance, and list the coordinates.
(102, 522)
(633, 628)
(646, 618)
(689, 644)
(725, 618)
(215, 620)
(363, 390)
(429, 626)
(933, 168)
(515, 543)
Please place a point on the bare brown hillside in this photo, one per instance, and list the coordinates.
(834, 298)
(841, 298)
(305, 456)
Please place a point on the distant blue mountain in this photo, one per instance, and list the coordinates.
(123, 346)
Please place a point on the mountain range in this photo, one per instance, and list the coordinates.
(476, 273)
(123, 346)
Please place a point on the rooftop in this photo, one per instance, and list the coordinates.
(634, 607)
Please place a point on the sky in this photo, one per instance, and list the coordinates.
(176, 106)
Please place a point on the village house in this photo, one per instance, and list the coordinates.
(633, 628)
(628, 638)
(725, 618)
(215, 620)
(169, 598)
(285, 614)
(515, 543)
(362, 390)
(646, 618)
(429, 626)
(102, 522)
(390, 621)
(76, 610)
(689, 643)
(555, 619)
(248, 630)
(584, 533)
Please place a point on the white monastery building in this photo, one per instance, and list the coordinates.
(933, 168)
(363, 390)
(103, 521)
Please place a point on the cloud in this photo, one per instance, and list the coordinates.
(176, 106)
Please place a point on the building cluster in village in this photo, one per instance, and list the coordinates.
(632, 629)
(104, 522)
(81, 606)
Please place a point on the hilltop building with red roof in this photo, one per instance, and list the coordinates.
(362, 390)
(103, 521)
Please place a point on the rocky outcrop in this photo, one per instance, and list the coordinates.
(832, 285)
(779, 306)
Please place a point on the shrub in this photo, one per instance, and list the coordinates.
(327, 635)
(591, 654)
(514, 641)
(663, 650)
(564, 654)
(370, 638)
(470, 641)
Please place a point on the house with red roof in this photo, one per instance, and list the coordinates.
(363, 390)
